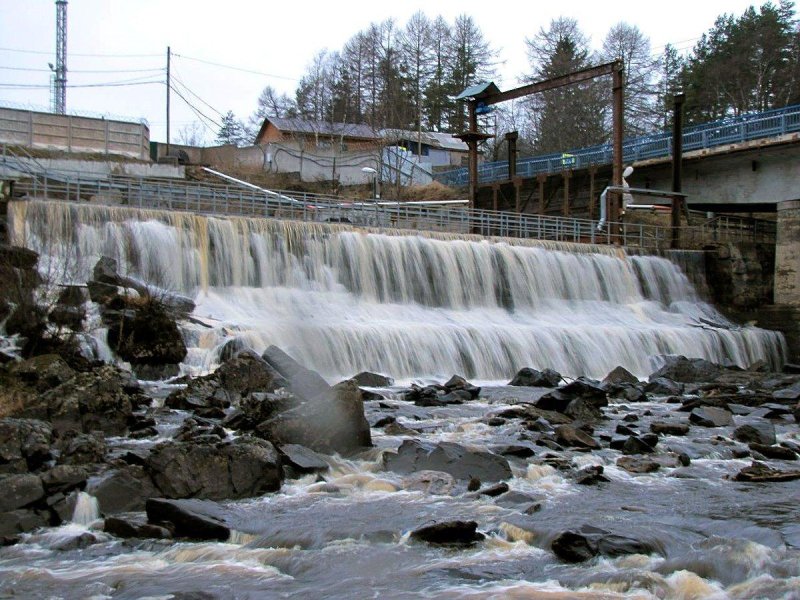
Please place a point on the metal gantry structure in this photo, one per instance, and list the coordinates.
(60, 78)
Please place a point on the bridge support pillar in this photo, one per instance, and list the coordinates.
(787, 254)
(541, 179)
(565, 209)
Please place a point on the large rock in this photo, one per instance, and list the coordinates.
(755, 433)
(101, 399)
(460, 462)
(528, 377)
(584, 389)
(333, 421)
(573, 437)
(303, 382)
(147, 335)
(14, 522)
(24, 445)
(367, 379)
(244, 468)
(64, 479)
(188, 518)
(451, 533)
(18, 491)
(621, 375)
(589, 541)
(122, 490)
(247, 372)
(759, 472)
(81, 448)
(711, 416)
(687, 370)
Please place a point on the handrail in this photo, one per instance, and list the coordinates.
(751, 126)
(216, 200)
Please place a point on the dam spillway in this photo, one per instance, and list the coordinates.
(342, 300)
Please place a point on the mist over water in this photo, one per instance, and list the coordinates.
(342, 300)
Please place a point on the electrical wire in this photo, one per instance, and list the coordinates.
(23, 86)
(89, 55)
(185, 87)
(231, 67)
(32, 70)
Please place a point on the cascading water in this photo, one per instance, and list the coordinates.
(342, 300)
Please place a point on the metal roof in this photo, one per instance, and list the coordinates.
(434, 139)
(479, 90)
(295, 125)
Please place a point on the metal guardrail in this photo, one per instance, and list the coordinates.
(225, 200)
(732, 130)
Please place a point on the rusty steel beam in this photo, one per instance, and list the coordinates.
(553, 83)
(677, 156)
(615, 198)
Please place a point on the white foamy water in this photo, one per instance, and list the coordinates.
(342, 300)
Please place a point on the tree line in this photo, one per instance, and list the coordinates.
(406, 77)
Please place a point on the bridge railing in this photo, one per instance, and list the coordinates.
(732, 130)
(223, 200)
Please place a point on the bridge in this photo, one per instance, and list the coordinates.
(745, 163)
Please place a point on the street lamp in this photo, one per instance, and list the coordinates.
(374, 174)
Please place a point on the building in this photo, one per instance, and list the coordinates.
(309, 135)
(435, 149)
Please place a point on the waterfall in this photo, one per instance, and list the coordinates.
(407, 304)
(87, 509)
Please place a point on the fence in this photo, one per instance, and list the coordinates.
(73, 134)
(227, 200)
(733, 130)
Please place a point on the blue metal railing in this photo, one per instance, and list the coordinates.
(732, 130)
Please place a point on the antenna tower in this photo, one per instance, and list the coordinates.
(60, 79)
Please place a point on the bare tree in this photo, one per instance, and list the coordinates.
(417, 47)
(192, 134)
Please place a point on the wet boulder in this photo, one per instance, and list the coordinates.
(567, 435)
(661, 386)
(774, 452)
(122, 490)
(528, 377)
(24, 445)
(620, 375)
(333, 421)
(587, 390)
(758, 433)
(669, 428)
(81, 449)
(637, 464)
(302, 382)
(18, 491)
(458, 386)
(146, 335)
(128, 528)
(14, 522)
(242, 468)
(450, 533)
(188, 519)
(686, 370)
(640, 445)
(64, 478)
(788, 394)
(711, 416)
(759, 472)
(302, 459)
(367, 379)
(459, 461)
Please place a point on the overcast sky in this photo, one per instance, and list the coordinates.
(124, 42)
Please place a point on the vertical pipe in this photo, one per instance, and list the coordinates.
(677, 156)
(169, 53)
(618, 107)
(473, 155)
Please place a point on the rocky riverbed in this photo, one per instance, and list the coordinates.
(263, 480)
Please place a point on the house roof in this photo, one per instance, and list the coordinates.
(434, 139)
(307, 127)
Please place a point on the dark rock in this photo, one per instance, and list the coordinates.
(64, 478)
(44, 372)
(14, 522)
(19, 490)
(711, 416)
(24, 445)
(18, 257)
(430, 482)
(494, 490)
(195, 429)
(528, 377)
(188, 518)
(518, 450)
(368, 379)
(495, 421)
(661, 386)
(669, 428)
(331, 422)
(302, 459)
(687, 370)
(637, 445)
(149, 336)
(240, 469)
(458, 461)
(633, 394)
(635, 464)
(399, 430)
(759, 472)
(458, 533)
(774, 452)
(81, 449)
(573, 547)
(558, 400)
(624, 430)
(124, 528)
(474, 484)
(791, 368)
(122, 490)
(791, 393)
(247, 372)
(568, 435)
(758, 433)
(303, 382)
(460, 386)
(621, 375)
(584, 410)
(591, 475)
(370, 396)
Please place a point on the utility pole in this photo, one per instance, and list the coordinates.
(60, 80)
(168, 88)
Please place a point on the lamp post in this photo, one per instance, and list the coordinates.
(374, 174)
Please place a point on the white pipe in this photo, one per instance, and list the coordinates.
(603, 210)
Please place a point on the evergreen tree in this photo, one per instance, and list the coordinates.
(231, 131)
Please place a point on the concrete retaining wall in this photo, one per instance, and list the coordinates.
(787, 254)
(32, 129)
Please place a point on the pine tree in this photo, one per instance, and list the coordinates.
(231, 131)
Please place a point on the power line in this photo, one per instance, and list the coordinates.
(197, 111)
(231, 67)
(23, 86)
(186, 88)
(27, 69)
(90, 55)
